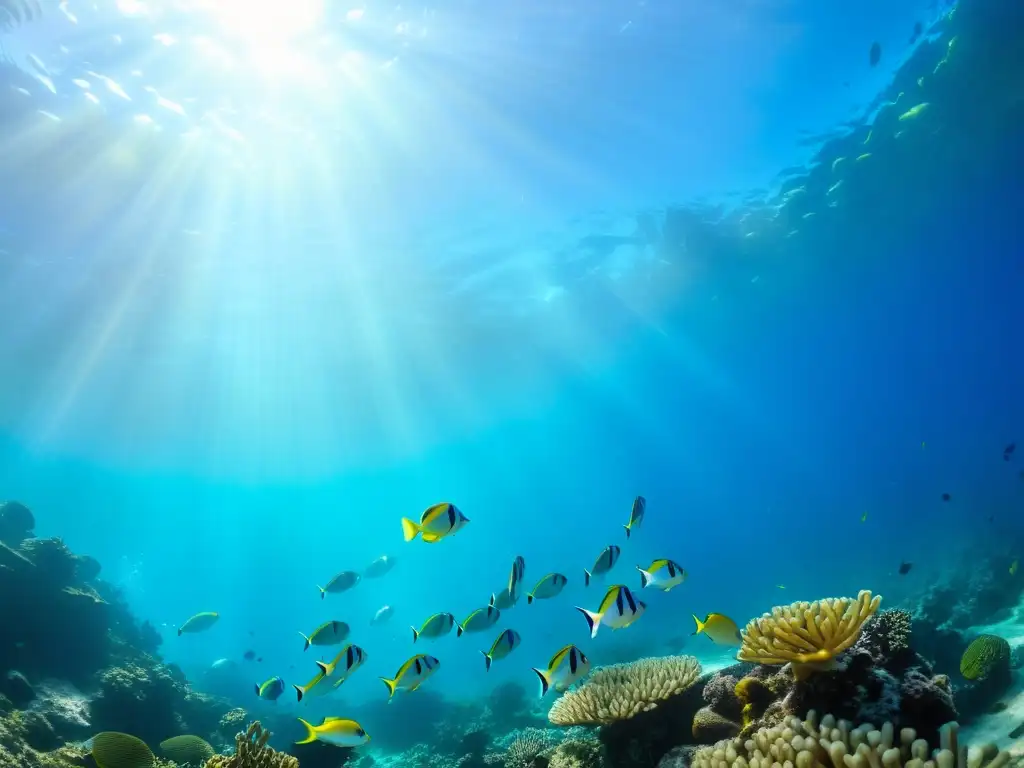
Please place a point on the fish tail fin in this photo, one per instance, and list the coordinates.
(544, 682)
(179, 633)
(410, 528)
(487, 661)
(306, 646)
(324, 668)
(299, 693)
(627, 530)
(645, 577)
(586, 578)
(310, 733)
(391, 686)
(257, 687)
(700, 625)
(458, 629)
(529, 599)
(415, 634)
(323, 592)
(593, 620)
(493, 598)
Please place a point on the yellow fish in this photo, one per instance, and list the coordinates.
(412, 674)
(348, 660)
(565, 668)
(509, 596)
(438, 625)
(340, 583)
(503, 645)
(663, 574)
(719, 628)
(605, 562)
(336, 731)
(328, 633)
(636, 514)
(478, 620)
(618, 610)
(199, 623)
(864, 517)
(1013, 568)
(314, 688)
(547, 587)
(435, 523)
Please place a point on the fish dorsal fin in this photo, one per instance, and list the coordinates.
(333, 719)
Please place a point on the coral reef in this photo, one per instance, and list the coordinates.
(878, 678)
(251, 751)
(622, 691)
(110, 680)
(837, 744)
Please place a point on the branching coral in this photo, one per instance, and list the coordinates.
(836, 744)
(251, 751)
(577, 753)
(807, 635)
(621, 691)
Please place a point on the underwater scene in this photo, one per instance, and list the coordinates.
(511, 384)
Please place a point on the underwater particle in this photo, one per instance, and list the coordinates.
(946, 497)
(438, 625)
(636, 514)
(121, 750)
(327, 634)
(502, 646)
(187, 749)
(549, 586)
(904, 568)
(983, 655)
(199, 623)
(719, 628)
(618, 610)
(605, 562)
(271, 690)
(337, 731)
(836, 163)
(379, 567)
(568, 666)
(341, 582)
(249, 655)
(412, 674)
(780, 586)
(861, 158)
(875, 54)
(478, 620)
(864, 517)
(914, 111)
(436, 522)
(1013, 568)
(662, 574)
(1008, 451)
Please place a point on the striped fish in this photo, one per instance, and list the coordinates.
(618, 610)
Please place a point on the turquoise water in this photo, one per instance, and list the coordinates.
(278, 284)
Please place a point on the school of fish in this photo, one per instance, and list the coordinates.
(619, 608)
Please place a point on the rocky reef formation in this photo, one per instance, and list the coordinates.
(74, 661)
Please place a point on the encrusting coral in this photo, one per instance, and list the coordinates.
(251, 751)
(837, 744)
(621, 691)
(807, 635)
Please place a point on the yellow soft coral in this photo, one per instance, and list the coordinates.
(807, 635)
(251, 751)
(621, 691)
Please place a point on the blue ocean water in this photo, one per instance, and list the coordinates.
(277, 285)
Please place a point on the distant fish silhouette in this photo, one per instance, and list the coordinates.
(905, 568)
(946, 497)
(918, 29)
(1008, 451)
(875, 55)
